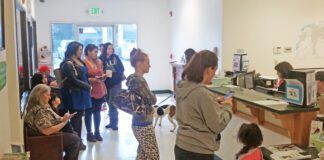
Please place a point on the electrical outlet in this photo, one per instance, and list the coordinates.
(277, 50)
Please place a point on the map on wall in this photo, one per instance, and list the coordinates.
(311, 40)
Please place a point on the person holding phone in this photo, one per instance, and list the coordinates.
(201, 114)
(96, 78)
(40, 120)
(114, 69)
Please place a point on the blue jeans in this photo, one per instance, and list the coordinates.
(181, 154)
(113, 113)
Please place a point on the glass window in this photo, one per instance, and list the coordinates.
(62, 35)
(126, 39)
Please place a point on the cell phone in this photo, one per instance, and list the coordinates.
(229, 94)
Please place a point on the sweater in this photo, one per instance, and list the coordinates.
(200, 117)
(138, 84)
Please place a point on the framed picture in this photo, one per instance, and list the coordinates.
(2, 41)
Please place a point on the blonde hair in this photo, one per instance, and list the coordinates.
(34, 96)
(137, 55)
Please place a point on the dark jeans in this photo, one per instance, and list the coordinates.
(71, 143)
(181, 154)
(76, 121)
(113, 113)
(95, 111)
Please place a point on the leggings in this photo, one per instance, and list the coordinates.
(147, 145)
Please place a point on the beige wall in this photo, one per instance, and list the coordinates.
(259, 25)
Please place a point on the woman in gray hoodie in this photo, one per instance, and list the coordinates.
(201, 114)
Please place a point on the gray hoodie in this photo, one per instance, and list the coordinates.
(200, 117)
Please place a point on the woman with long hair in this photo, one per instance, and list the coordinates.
(96, 78)
(201, 114)
(76, 88)
(114, 69)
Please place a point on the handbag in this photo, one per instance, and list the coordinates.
(129, 102)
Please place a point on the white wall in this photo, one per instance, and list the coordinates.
(151, 17)
(259, 25)
(10, 122)
(195, 24)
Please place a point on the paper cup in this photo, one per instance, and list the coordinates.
(109, 73)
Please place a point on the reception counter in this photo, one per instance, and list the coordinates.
(295, 119)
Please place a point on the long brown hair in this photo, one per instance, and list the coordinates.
(283, 68)
(194, 71)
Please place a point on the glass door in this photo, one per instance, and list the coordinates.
(95, 34)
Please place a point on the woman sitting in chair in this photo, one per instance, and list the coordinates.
(40, 120)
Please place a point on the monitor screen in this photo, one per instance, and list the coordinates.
(249, 80)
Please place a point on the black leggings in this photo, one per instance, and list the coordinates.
(76, 121)
(95, 110)
(181, 154)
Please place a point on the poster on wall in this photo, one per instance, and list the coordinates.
(45, 58)
(3, 70)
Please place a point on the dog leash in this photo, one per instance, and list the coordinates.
(165, 99)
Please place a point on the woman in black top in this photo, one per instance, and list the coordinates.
(75, 91)
(282, 69)
(114, 69)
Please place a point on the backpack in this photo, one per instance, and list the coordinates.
(129, 102)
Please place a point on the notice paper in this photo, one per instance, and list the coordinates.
(270, 102)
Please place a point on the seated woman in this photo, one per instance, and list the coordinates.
(320, 83)
(40, 120)
(282, 69)
(38, 78)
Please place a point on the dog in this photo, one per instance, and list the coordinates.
(161, 111)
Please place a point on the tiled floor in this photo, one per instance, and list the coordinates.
(122, 145)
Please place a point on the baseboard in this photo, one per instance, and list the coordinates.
(162, 91)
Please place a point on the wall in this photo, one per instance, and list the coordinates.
(196, 24)
(151, 17)
(259, 25)
(10, 122)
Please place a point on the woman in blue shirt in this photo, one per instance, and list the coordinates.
(75, 91)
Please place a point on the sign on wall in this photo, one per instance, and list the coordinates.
(95, 11)
(3, 74)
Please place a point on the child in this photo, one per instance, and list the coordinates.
(251, 137)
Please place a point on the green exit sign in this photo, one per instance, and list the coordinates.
(95, 11)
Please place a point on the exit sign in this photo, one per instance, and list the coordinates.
(95, 11)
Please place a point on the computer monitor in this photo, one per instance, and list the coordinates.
(240, 81)
(249, 80)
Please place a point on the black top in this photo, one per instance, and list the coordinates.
(282, 86)
(113, 63)
(72, 76)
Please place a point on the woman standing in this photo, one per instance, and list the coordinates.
(114, 69)
(75, 91)
(201, 115)
(142, 124)
(98, 92)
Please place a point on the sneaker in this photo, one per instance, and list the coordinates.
(113, 128)
(108, 126)
(82, 146)
(98, 137)
(91, 137)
